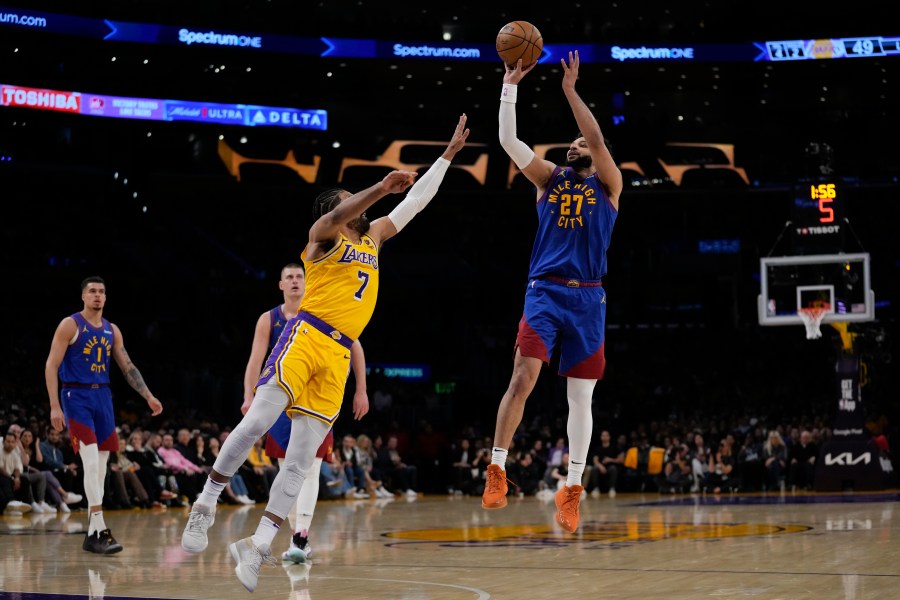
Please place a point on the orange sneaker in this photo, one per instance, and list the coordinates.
(567, 500)
(494, 488)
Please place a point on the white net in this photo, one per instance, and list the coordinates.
(812, 318)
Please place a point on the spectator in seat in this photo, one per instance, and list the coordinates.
(33, 461)
(802, 458)
(65, 473)
(188, 475)
(367, 458)
(677, 471)
(147, 469)
(526, 474)
(333, 483)
(349, 458)
(721, 467)
(127, 489)
(29, 488)
(606, 460)
(751, 472)
(462, 467)
(402, 475)
(775, 460)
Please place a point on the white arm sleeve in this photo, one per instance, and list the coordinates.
(420, 194)
(518, 150)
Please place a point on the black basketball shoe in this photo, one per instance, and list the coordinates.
(102, 542)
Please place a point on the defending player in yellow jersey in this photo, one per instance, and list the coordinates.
(307, 369)
(313, 353)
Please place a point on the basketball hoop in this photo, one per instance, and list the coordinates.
(812, 317)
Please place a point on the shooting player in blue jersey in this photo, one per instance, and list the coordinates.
(565, 303)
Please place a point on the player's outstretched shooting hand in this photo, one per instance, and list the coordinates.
(515, 74)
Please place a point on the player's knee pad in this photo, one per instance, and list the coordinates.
(293, 480)
(235, 450)
(285, 489)
(268, 403)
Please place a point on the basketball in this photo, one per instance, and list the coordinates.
(519, 39)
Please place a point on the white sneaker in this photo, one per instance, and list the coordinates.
(595, 493)
(249, 559)
(17, 508)
(37, 508)
(47, 508)
(64, 508)
(193, 538)
(383, 493)
(411, 494)
(612, 493)
(245, 499)
(72, 498)
(360, 494)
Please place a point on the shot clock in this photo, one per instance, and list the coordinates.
(817, 217)
(825, 194)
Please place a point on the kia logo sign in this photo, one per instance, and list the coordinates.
(846, 459)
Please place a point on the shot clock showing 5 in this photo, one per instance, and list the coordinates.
(826, 194)
(818, 210)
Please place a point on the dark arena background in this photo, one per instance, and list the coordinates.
(175, 149)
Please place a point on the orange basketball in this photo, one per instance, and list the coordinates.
(519, 39)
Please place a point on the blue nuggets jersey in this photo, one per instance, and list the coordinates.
(277, 321)
(87, 360)
(575, 223)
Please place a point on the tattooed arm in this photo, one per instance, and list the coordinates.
(132, 375)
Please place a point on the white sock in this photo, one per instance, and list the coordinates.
(576, 470)
(211, 492)
(265, 533)
(498, 457)
(96, 522)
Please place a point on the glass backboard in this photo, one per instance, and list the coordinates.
(789, 283)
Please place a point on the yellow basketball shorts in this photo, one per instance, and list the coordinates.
(310, 362)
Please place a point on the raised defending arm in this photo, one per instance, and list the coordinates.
(424, 189)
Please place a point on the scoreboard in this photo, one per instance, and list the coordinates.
(832, 48)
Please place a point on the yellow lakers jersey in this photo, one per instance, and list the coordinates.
(342, 286)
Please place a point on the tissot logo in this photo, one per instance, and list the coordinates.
(819, 230)
(846, 459)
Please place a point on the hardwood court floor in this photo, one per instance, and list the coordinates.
(790, 547)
